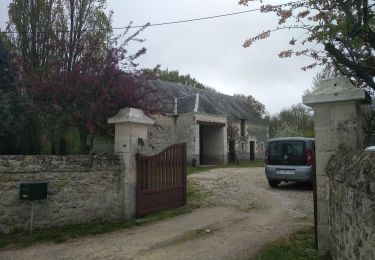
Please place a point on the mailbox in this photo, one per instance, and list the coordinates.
(33, 191)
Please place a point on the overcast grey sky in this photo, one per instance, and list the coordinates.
(211, 50)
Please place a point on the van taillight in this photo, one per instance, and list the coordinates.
(310, 157)
(266, 156)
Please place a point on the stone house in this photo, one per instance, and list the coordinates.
(200, 119)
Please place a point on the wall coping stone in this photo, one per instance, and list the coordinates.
(336, 90)
(58, 163)
(128, 115)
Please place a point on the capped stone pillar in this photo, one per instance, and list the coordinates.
(337, 123)
(130, 136)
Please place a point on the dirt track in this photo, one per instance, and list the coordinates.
(241, 214)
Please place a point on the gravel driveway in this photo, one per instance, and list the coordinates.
(240, 215)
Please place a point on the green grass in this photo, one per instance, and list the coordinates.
(243, 164)
(299, 246)
(62, 234)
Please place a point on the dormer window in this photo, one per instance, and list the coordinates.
(243, 127)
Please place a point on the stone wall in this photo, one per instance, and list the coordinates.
(161, 134)
(352, 205)
(188, 132)
(256, 133)
(80, 189)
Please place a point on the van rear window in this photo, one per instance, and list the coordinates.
(288, 152)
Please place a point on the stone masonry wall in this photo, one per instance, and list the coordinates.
(80, 189)
(255, 133)
(188, 132)
(352, 205)
(161, 134)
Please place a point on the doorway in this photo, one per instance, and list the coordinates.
(252, 151)
(211, 144)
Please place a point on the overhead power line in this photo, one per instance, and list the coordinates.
(173, 22)
(188, 20)
(207, 17)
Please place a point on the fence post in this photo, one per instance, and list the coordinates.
(337, 122)
(130, 137)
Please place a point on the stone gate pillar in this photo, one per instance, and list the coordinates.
(130, 137)
(337, 122)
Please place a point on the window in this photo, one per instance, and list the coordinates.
(243, 147)
(288, 152)
(261, 146)
(243, 127)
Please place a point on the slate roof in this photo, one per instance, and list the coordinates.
(186, 104)
(209, 102)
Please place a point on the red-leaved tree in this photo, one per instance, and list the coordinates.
(74, 70)
(95, 89)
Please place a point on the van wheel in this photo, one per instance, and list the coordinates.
(273, 184)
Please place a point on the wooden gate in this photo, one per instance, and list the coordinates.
(161, 180)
